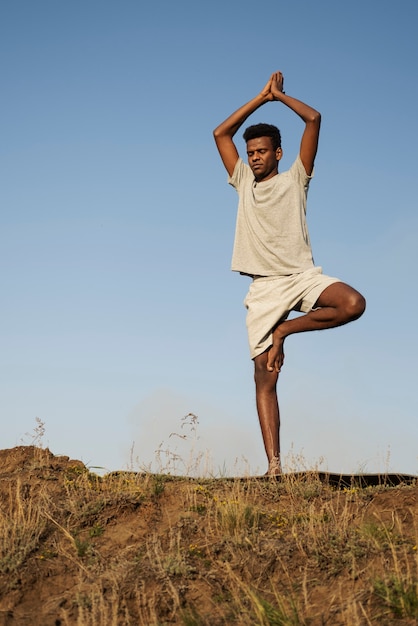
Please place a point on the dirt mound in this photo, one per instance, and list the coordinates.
(27, 458)
(144, 549)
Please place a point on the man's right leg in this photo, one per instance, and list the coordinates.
(337, 305)
(268, 411)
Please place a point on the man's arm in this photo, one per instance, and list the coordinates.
(311, 117)
(224, 133)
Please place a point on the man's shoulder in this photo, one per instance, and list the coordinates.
(296, 173)
(295, 165)
(242, 173)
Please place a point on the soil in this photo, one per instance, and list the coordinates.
(140, 549)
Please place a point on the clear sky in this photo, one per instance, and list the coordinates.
(119, 313)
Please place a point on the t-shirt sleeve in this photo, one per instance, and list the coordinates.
(298, 172)
(238, 175)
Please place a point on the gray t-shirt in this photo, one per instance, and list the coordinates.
(271, 235)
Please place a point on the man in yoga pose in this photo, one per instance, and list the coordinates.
(272, 246)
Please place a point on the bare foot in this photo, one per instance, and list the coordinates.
(275, 356)
(275, 467)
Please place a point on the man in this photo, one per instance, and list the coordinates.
(272, 246)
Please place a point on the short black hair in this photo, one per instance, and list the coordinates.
(264, 130)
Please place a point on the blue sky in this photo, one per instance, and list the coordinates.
(120, 314)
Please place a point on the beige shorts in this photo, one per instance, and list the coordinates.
(270, 299)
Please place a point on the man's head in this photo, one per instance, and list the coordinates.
(263, 150)
(264, 130)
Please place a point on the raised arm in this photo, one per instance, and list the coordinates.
(224, 133)
(311, 117)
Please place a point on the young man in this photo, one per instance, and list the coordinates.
(272, 246)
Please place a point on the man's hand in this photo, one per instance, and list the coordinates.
(273, 88)
(276, 85)
(266, 92)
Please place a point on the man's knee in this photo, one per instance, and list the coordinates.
(348, 303)
(264, 379)
(354, 305)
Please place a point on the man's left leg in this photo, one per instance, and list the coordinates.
(338, 304)
(268, 411)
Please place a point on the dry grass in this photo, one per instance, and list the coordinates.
(147, 549)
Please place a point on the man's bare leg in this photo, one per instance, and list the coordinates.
(338, 304)
(268, 411)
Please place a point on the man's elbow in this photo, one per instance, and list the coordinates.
(217, 133)
(315, 118)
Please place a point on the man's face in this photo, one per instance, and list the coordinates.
(262, 159)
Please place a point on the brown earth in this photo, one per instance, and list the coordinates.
(144, 549)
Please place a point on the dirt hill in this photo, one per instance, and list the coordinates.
(144, 549)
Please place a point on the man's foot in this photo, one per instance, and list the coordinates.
(275, 356)
(275, 467)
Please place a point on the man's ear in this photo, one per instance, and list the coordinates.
(279, 154)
